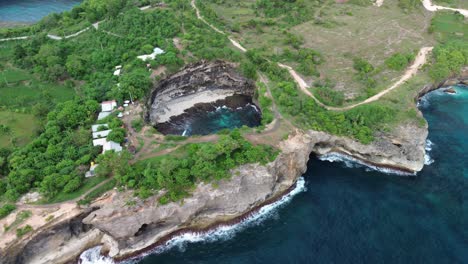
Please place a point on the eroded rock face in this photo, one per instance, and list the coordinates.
(59, 243)
(201, 82)
(125, 230)
(404, 150)
(132, 229)
(135, 228)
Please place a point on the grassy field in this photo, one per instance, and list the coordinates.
(19, 91)
(452, 3)
(341, 32)
(22, 126)
(27, 93)
(87, 185)
(446, 25)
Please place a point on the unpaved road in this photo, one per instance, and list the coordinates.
(410, 72)
(431, 7)
(420, 60)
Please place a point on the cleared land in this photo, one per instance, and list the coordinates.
(21, 128)
(345, 32)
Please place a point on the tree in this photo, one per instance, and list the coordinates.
(117, 135)
(75, 65)
(135, 84)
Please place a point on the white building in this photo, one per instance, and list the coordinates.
(101, 134)
(91, 171)
(152, 56)
(96, 127)
(99, 142)
(108, 106)
(111, 145)
(103, 115)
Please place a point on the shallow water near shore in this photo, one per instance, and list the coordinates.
(350, 214)
(29, 11)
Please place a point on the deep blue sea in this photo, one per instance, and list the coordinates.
(349, 214)
(29, 11)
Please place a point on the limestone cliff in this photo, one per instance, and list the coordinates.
(402, 150)
(126, 229)
(201, 82)
(132, 229)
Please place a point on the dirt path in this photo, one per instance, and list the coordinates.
(412, 70)
(429, 6)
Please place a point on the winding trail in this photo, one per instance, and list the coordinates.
(429, 6)
(420, 60)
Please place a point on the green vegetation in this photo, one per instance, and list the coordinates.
(174, 138)
(96, 193)
(329, 96)
(408, 5)
(266, 104)
(18, 130)
(6, 209)
(398, 61)
(20, 218)
(449, 59)
(87, 185)
(137, 124)
(178, 172)
(53, 161)
(448, 26)
(22, 231)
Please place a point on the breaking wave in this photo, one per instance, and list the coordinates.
(352, 162)
(220, 233)
(427, 158)
(93, 256)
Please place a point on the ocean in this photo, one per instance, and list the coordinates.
(29, 11)
(342, 212)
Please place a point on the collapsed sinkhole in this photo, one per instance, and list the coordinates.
(201, 99)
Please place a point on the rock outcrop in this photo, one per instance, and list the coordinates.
(201, 82)
(402, 151)
(462, 78)
(61, 242)
(134, 229)
(126, 229)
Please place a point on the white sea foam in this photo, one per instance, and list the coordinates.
(255, 107)
(351, 162)
(93, 256)
(220, 233)
(427, 158)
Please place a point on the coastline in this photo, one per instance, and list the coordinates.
(211, 227)
(305, 143)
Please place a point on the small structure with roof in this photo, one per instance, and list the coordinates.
(152, 56)
(95, 128)
(108, 106)
(118, 70)
(111, 145)
(92, 170)
(101, 134)
(103, 115)
(99, 142)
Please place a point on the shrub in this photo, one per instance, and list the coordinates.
(22, 231)
(137, 124)
(6, 209)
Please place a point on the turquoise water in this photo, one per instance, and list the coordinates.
(353, 215)
(32, 10)
(205, 123)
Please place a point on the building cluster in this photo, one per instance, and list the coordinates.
(101, 131)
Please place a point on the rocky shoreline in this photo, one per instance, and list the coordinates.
(126, 231)
(462, 79)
